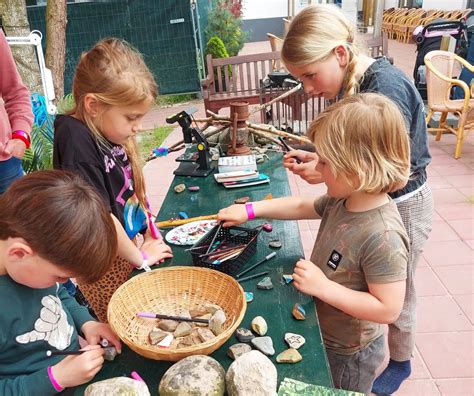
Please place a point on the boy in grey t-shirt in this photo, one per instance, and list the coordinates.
(357, 270)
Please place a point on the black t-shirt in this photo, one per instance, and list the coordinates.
(384, 78)
(104, 165)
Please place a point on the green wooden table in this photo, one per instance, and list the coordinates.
(274, 305)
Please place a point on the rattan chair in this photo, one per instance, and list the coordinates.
(441, 66)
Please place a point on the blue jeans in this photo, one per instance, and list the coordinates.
(466, 75)
(10, 170)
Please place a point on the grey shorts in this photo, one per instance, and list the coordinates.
(357, 372)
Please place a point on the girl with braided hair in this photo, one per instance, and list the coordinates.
(321, 50)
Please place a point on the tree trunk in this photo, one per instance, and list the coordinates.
(56, 21)
(15, 23)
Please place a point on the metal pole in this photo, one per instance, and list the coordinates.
(379, 7)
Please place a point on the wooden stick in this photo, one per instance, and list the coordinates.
(174, 146)
(174, 223)
(262, 134)
(277, 99)
(179, 318)
(274, 131)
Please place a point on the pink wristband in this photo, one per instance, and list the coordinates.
(250, 212)
(56, 386)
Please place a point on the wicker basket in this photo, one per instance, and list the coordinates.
(166, 290)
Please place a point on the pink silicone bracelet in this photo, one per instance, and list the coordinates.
(250, 212)
(58, 387)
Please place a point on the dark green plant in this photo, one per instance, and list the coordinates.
(40, 154)
(223, 24)
(216, 47)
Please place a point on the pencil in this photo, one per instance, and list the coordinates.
(252, 276)
(267, 257)
(179, 318)
(57, 353)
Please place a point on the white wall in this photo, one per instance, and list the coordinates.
(257, 9)
(444, 4)
(391, 3)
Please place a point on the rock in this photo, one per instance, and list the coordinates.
(275, 244)
(110, 353)
(264, 345)
(197, 312)
(237, 350)
(216, 323)
(183, 313)
(267, 227)
(244, 335)
(179, 188)
(289, 356)
(168, 325)
(116, 387)
(183, 329)
(259, 325)
(294, 340)
(212, 308)
(242, 200)
(251, 374)
(205, 334)
(287, 278)
(193, 375)
(156, 335)
(194, 188)
(248, 296)
(265, 283)
(260, 159)
(298, 312)
(166, 342)
(215, 157)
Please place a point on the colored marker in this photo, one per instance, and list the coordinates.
(179, 318)
(267, 257)
(252, 276)
(135, 376)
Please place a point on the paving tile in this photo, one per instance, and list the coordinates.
(468, 192)
(303, 225)
(466, 302)
(439, 182)
(314, 224)
(448, 196)
(422, 263)
(455, 211)
(427, 283)
(454, 252)
(470, 242)
(460, 180)
(440, 313)
(418, 387)
(450, 358)
(464, 228)
(418, 367)
(458, 279)
(442, 232)
(456, 386)
(307, 240)
(452, 169)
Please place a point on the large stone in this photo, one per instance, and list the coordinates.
(193, 375)
(118, 386)
(251, 374)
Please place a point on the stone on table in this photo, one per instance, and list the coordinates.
(298, 312)
(290, 355)
(193, 375)
(264, 345)
(244, 335)
(259, 325)
(117, 387)
(275, 243)
(294, 340)
(237, 350)
(248, 296)
(179, 188)
(242, 200)
(265, 283)
(251, 374)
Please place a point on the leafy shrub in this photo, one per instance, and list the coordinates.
(215, 46)
(223, 24)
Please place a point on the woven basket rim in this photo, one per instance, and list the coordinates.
(219, 339)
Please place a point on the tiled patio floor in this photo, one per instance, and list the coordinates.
(443, 363)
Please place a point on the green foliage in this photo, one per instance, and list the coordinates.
(215, 46)
(223, 24)
(148, 140)
(166, 100)
(65, 103)
(40, 154)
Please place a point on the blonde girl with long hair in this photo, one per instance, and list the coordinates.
(321, 50)
(358, 266)
(113, 89)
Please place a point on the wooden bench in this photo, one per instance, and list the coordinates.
(236, 78)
